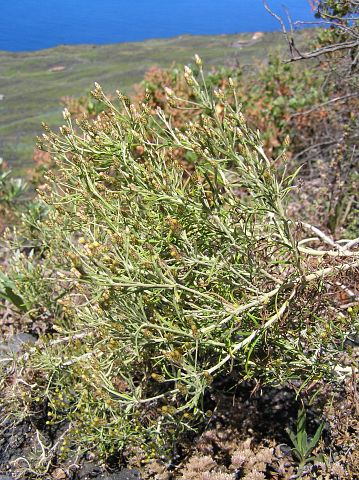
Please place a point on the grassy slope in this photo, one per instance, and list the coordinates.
(32, 91)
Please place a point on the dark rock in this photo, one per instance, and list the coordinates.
(124, 474)
(285, 449)
(89, 471)
(14, 440)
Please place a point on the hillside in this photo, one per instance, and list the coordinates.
(32, 83)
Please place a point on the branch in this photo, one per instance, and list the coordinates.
(253, 335)
(311, 147)
(320, 234)
(333, 100)
(290, 40)
(263, 299)
(315, 53)
(322, 51)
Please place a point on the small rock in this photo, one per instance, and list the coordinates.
(124, 474)
(88, 471)
(127, 474)
(59, 474)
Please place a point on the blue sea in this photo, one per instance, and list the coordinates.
(38, 24)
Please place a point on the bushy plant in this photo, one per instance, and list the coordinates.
(282, 100)
(162, 281)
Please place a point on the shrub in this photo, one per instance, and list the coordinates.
(282, 100)
(161, 282)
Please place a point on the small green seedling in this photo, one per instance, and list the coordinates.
(303, 446)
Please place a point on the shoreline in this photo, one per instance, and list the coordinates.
(135, 42)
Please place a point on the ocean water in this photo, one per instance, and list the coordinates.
(38, 24)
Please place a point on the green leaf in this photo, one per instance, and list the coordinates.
(7, 292)
(316, 437)
(292, 437)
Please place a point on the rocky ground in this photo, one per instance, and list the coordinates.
(245, 438)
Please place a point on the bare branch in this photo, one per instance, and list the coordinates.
(315, 53)
(290, 40)
(333, 100)
(320, 234)
(322, 51)
(312, 147)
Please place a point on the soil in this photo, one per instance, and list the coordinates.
(17, 442)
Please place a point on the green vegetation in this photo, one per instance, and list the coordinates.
(303, 447)
(193, 238)
(161, 277)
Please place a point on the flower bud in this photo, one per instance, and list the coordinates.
(218, 93)
(66, 114)
(169, 92)
(198, 60)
